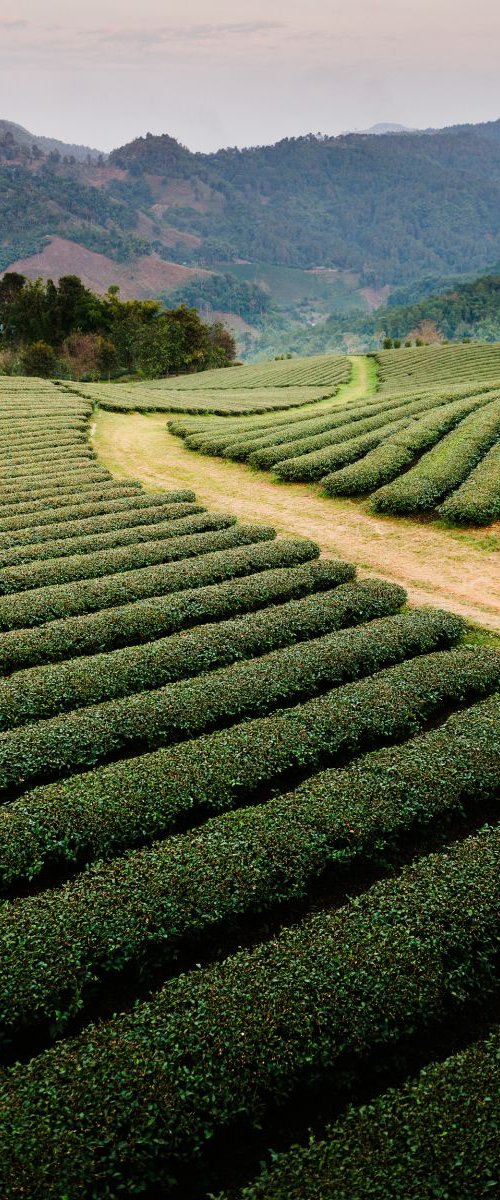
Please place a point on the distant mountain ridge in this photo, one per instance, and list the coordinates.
(354, 216)
(46, 144)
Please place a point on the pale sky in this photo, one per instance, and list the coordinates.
(228, 72)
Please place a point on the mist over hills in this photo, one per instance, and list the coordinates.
(286, 233)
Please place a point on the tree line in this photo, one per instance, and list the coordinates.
(66, 330)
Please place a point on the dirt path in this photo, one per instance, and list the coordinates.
(456, 571)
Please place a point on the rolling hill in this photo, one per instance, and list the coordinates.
(319, 224)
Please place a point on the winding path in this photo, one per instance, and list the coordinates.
(458, 570)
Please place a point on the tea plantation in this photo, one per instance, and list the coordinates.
(425, 443)
(249, 842)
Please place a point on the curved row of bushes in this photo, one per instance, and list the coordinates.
(123, 804)
(90, 735)
(188, 537)
(139, 907)
(41, 522)
(58, 485)
(264, 574)
(312, 467)
(445, 467)
(189, 518)
(90, 594)
(387, 1147)
(477, 501)
(124, 1102)
(47, 691)
(398, 452)
(37, 542)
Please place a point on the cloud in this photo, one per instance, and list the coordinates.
(10, 26)
(176, 33)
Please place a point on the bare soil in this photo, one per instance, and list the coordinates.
(140, 279)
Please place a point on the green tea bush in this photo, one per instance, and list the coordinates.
(477, 501)
(187, 537)
(46, 691)
(90, 735)
(36, 606)
(240, 1034)
(60, 942)
(396, 453)
(311, 467)
(444, 468)
(123, 804)
(195, 520)
(31, 523)
(406, 1144)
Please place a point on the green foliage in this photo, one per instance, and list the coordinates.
(256, 575)
(443, 468)
(434, 1137)
(477, 501)
(118, 805)
(140, 906)
(135, 573)
(47, 691)
(174, 1070)
(70, 331)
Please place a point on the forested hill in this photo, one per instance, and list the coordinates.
(153, 218)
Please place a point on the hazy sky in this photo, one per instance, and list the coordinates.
(226, 72)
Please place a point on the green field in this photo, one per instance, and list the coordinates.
(249, 852)
(425, 443)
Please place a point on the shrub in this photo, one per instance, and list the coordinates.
(477, 501)
(138, 907)
(31, 522)
(195, 520)
(387, 1147)
(279, 573)
(89, 594)
(310, 467)
(46, 691)
(442, 469)
(398, 452)
(127, 803)
(240, 1034)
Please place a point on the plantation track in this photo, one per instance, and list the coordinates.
(449, 569)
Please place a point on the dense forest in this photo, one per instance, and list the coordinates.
(464, 310)
(68, 331)
(393, 209)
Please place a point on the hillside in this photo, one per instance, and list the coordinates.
(369, 213)
(249, 835)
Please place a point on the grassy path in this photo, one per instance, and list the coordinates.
(453, 570)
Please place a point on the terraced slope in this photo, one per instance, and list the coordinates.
(248, 832)
(230, 391)
(409, 451)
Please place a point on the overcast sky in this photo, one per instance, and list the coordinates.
(228, 72)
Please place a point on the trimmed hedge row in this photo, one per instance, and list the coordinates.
(119, 1106)
(123, 804)
(91, 476)
(407, 1144)
(90, 735)
(398, 452)
(90, 593)
(52, 572)
(241, 443)
(192, 518)
(328, 428)
(28, 468)
(311, 467)
(31, 523)
(36, 450)
(305, 448)
(47, 691)
(61, 942)
(72, 535)
(445, 467)
(477, 501)
(263, 574)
